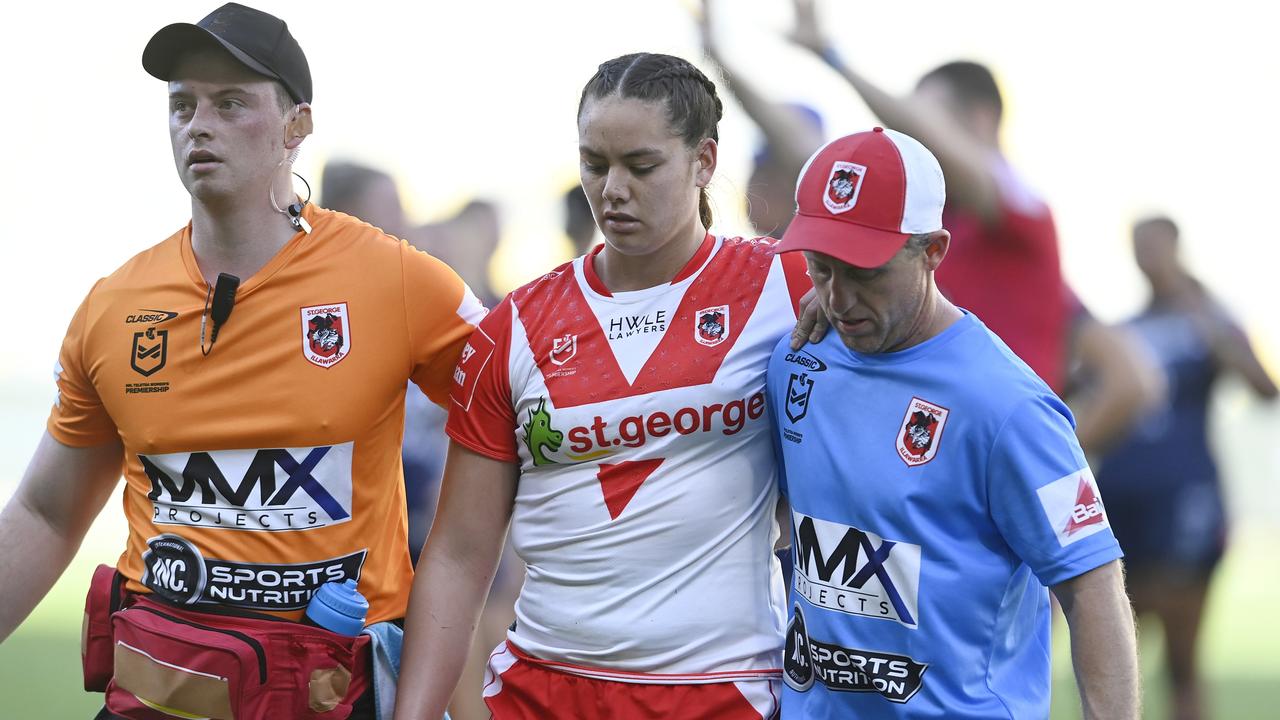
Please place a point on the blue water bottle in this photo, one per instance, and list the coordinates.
(339, 607)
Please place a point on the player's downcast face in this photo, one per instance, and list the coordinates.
(640, 177)
(226, 126)
(874, 310)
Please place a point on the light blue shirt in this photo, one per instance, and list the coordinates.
(935, 493)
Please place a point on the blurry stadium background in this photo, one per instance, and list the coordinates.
(1113, 110)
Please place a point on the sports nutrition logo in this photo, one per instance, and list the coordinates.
(842, 568)
(272, 490)
(897, 678)
(175, 570)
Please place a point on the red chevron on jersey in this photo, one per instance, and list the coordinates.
(620, 481)
(732, 280)
(647, 480)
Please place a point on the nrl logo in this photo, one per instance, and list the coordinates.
(563, 349)
(841, 193)
(799, 388)
(921, 431)
(150, 351)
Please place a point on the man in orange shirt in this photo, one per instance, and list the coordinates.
(261, 451)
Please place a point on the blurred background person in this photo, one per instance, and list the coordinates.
(1161, 482)
(579, 224)
(468, 238)
(792, 132)
(1003, 264)
(1111, 379)
(364, 192)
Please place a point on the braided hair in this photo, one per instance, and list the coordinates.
(693, 108)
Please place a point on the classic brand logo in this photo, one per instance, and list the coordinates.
(921, 431)
(273, 490)
(806, 360)
(150, 351)
(712, 325)
(151, 317)
(1073, 507)
(843, 186)
(326, 334)
(842, 568)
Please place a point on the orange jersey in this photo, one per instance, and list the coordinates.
(271, 465)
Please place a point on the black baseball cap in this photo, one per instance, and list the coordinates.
(258, 40)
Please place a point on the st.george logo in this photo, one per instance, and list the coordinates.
(326, 334)
(843, 185)
(799, 388)
(921, 431)
(150, 351)
(712, 325)
(539, 436)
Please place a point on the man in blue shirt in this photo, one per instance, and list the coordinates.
(936, 485)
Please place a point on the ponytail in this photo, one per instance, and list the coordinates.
(704, 208)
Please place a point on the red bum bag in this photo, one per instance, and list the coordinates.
(157, 661)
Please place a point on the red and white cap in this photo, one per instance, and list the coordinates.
(861, 196)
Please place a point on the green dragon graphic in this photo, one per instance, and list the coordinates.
(539, 436)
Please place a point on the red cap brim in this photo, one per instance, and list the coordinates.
(857, 245)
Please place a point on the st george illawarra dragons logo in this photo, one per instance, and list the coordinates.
(921, 431)
(326, 334)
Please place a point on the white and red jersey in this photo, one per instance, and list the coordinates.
(645, 505)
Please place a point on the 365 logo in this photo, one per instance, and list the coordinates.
(150, 351)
